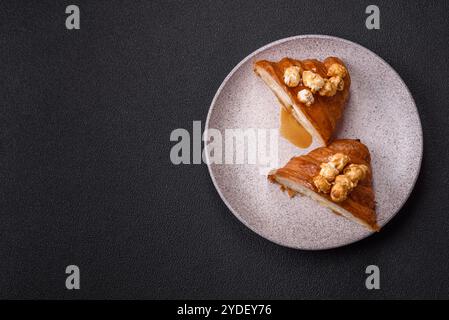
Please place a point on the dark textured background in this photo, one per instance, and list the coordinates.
(85, 174)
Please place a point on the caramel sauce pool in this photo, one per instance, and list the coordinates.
(293, 131)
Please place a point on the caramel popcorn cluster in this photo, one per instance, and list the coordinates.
(346, 182)
(294, 76)
(306, 97)
(329, 180)
(337, 82)
(337, 70)
(329, 171)
(329, 89)
(312, 80)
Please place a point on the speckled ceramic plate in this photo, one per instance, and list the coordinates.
(381, 112)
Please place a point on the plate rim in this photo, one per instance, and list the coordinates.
(278, 42)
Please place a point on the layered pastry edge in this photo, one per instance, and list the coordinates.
(300, 173)
(315, 92)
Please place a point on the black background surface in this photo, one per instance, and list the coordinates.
(85, 173)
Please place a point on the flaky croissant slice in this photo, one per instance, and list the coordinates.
(350, 192)
(316, 92)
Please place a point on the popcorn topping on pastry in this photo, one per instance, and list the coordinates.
(312, 80)
(306, 97)
(337, 70)
(346, 182)
(329, 89)
(292, 76)
(338, 82)
(329, 171)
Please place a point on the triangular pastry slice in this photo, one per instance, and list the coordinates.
(338, 176)
(315, 92)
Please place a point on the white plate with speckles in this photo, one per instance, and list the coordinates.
(380, 111)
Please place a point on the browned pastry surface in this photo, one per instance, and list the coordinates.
(325, 112)
(303, 169)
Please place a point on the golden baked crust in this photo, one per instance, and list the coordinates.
(302, 170)
(326, 111)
